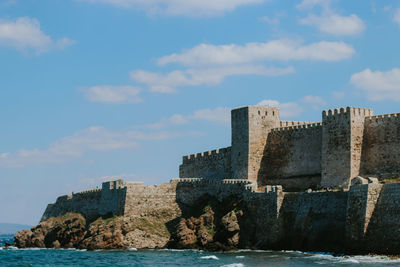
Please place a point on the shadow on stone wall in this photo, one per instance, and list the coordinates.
(290, 221)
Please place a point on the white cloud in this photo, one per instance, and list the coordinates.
(316, 102)
(75, 146)
(7, 3)
(287, 110)
(294, 109)
(112, 94)
(308, 4)
(25, 34)
(272, 21)
(167, 83)
(378, 85)
(276, 50)
(221, 115)
(192, 8)
(335, 24)
(396, 16)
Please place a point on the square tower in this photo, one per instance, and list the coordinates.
(342, 138)
(250, 128)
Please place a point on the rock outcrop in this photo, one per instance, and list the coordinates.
(210, 225)
(72, 231)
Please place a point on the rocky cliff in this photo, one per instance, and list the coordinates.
(228, 214)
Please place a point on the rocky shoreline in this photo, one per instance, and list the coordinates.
(209, 228)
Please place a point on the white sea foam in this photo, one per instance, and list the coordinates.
(1, 248)
(210, 257)
(239, 257)
(234, 265)
(328, 258)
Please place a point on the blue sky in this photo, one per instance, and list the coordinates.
(91, 90)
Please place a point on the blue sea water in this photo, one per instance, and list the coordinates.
(132, 257)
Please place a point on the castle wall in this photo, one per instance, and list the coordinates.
(278, 220)
(372, 223)
(240, 143)
(250, 128)
(159, 199)
(215, 164)
(108, 201)
(342, 138)
(381, 145)
(190, 190)
(312, 221)
(292, 157)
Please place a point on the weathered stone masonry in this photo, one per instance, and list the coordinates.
(269, 163)
(299, 155)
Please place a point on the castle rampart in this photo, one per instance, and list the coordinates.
(381, 146)
(215, 164)
(342, 138)
(292, 157)
(270, 171)
(108, 201)
(299, 155)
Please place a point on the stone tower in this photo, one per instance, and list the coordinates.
(342, 134)
(250, 128)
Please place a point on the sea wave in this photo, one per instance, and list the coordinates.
(233, 265)
(366, 259)
(210, 257)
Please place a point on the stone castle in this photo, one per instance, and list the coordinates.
(299, 155)
(299, 182)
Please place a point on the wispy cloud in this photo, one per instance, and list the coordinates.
(396, 16)
(309, 4)
(316, 102)
(25, 34)
(294, 109)
(276, 50)
(112, 94)
(90, 139)
(191, 8)
(335, 24)
(167, 83)
(220, 115)
(329, 21)
(378, 85)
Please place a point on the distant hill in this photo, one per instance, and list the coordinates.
(12, 228)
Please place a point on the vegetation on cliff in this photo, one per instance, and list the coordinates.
(210, 225)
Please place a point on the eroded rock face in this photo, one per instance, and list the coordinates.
(211, 225)
(65, 231)
(216, 227)
(71, 231)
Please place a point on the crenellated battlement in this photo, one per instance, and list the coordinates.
(294, 123)
(310, 126)
(300, 154)
(383, 117)
(89, 191)
(345, 112)
(205, 155)
(211, 181)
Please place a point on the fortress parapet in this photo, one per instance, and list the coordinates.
(342, 139)
(214, 164)
(299, 155)
(311, 125)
